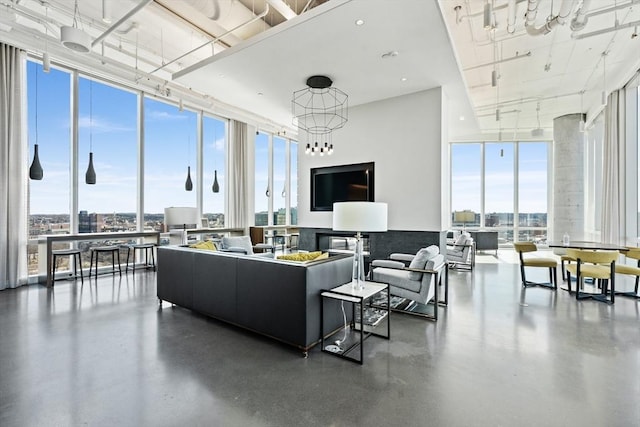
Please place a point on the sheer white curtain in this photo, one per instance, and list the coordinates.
(237, 176)
(614, 170)
(13, 168)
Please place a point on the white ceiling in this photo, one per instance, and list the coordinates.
(255, 63)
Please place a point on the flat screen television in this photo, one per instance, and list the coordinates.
(345, 183)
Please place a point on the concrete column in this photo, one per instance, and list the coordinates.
(568, 178)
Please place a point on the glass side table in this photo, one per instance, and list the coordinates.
(364, 320)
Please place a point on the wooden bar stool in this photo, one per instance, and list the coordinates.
(114, 250)
(73, 253)
(146, 247)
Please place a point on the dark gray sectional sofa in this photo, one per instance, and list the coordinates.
(279, 299)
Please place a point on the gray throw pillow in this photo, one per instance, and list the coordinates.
(420, 260)
(243, 242)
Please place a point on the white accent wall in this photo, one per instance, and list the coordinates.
(404, 137)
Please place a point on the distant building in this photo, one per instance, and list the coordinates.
(88, 223)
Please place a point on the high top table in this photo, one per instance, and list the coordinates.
(46, 241)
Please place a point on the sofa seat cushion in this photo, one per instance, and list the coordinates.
(399, 278)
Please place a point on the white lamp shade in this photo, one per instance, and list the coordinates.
(359, 216)
(75, 39)
(181, 216)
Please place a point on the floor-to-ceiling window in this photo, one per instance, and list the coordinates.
(262, 188)
(108, 130)
(48, 106)
(293, 190)
(532, 191)
(214, 146)
(275, 160)
(494, 182)
(279, 180)
(466, 184)
(170, 158)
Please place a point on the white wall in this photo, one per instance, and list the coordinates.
(404, 137)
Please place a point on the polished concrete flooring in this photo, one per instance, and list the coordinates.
(105, 354)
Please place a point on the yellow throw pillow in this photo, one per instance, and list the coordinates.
(207, 245)
(303, 256)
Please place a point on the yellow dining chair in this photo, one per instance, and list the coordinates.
(599, 265)
(550, 263)
(633, 253)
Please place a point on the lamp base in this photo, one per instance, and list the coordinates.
(358, 265)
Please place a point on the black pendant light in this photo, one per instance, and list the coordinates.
(35, 171)
(188, 185)
(215, 187)
(90, 175)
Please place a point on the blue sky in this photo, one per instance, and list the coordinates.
(108, 122)
(499, 177)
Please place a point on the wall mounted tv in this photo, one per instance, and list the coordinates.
(346, 183)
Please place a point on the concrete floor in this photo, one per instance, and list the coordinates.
(104, 355)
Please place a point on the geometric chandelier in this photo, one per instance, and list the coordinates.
(319, 109)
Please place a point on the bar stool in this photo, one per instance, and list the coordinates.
(141, 246)
(105, 249)
(73, 253)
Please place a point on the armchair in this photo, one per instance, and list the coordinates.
(461, 255)
(418, 283)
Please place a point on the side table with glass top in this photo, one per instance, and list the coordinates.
(363, 322)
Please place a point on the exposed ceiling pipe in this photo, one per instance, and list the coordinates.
(560, 19)
(282, 8)
(500, 61)
(481, 13)
(605, 30)
(612, 8)
(128, 15)
(580, 20)
(252, 20)
(512, 8)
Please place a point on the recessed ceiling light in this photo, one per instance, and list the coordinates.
(461, 118)
(359, 22)
(404, 79)
(260, 94)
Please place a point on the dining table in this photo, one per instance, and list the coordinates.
(588, 245)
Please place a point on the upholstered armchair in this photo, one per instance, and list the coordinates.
(417, 282)
(461, 255)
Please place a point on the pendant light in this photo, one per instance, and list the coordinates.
(215, 187)
(188, 185)
(35, 171)
(90, 175)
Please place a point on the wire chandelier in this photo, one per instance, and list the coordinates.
(319, 109)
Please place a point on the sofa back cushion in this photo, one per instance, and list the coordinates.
(420, 260)
(243, 242)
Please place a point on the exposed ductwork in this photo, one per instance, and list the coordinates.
(560, 19)
(580, 20)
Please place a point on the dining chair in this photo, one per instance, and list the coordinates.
(633, 253)
(550, 263)
(599, 265)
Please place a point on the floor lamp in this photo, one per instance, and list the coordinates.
(359, 217)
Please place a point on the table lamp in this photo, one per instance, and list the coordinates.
(359, 217)
(181, 216)
(464, 217)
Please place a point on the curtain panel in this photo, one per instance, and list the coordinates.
(13, 168)
(237, 194)
(613, 229)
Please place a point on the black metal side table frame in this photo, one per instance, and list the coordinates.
(355, 297)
